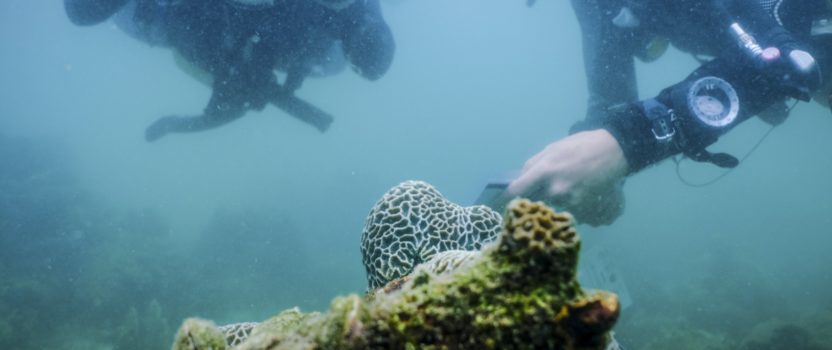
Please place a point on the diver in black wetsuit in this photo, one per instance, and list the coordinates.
(763, 53)
(241, 42)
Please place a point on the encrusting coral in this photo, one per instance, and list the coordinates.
(520, 292)
(197, 333)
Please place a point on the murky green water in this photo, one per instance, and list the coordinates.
(107, 241)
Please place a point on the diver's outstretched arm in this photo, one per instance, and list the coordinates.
(91, 12)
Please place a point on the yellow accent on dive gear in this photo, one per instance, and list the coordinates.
(654, 49)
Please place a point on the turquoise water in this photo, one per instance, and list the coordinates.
(107, 241)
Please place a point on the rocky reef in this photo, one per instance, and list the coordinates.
(519, 292)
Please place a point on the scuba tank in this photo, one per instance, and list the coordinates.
(778, 55)
(145, 20)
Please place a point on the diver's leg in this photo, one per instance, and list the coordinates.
(285, 99)
(90, 12)
(290, 104)
(218, 112)
(295, 76)
(304, 111)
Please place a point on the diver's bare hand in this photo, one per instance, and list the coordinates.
(582, 173)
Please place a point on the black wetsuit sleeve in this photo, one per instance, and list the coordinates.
(608, 60)
(634, 131)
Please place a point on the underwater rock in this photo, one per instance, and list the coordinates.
(412, 222)
(777, 334)
(520, 292)
(688, 339)
(450, 260)
(441, 263)
(138, 322)
(820, 325)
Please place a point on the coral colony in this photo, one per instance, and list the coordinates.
(518, 292)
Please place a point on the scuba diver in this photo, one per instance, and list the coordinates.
(763, 52)
(238, 44)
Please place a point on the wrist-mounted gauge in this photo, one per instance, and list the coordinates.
(713, 101)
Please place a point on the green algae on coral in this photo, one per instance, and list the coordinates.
(519, 293)
(200, 334)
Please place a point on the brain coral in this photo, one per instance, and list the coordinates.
(520, 292)
(412, 222)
